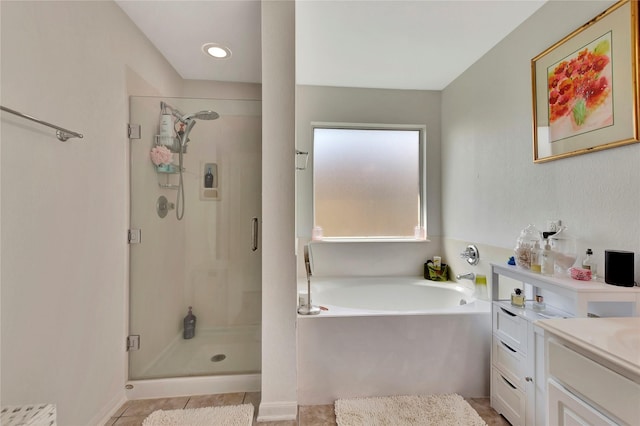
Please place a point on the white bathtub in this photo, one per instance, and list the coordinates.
(388, 294)
(392, 336)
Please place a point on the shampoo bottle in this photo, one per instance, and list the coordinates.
(166, 129)
(208, 179)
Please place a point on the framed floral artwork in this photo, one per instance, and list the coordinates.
(585, 87)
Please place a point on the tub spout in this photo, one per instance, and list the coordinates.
(470, 276)
(308, 309)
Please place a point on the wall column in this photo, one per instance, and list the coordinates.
(279, 380)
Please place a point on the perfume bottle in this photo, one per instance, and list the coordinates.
(538, 304)
(546, 259)
(589, 263)
(536, 258)
(517, 298)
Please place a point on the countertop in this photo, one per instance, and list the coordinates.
(615, 340)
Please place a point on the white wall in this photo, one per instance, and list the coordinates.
(491, 187)
(279, 399)
(65, 206)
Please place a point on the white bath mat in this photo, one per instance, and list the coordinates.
(224, 415)
(433, 410)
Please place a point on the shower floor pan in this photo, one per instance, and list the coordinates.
(215, 351)
(214, 361)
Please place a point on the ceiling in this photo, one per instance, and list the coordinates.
(395, 44)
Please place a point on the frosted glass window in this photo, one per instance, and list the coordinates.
(367, 182)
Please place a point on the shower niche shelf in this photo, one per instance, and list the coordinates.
(210, 185)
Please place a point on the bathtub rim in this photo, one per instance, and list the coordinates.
(476, 306)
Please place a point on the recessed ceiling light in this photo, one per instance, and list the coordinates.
(216, 50)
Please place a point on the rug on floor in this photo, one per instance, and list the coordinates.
(436, 410)
(224, 415)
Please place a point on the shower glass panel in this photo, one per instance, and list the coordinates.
(210, 260)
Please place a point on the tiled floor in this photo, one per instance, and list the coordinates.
(132, 413)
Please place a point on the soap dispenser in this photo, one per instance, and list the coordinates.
(189, 325)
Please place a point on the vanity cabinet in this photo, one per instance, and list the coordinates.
(518, 385)
(593, 372)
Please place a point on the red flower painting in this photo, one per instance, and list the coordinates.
(580, 91)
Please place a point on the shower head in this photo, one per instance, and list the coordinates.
(200, 115)
(184, 118)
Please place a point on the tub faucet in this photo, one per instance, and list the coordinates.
(470, 276)
(308, 309)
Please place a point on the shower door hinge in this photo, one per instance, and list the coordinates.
(133, 342)
(134, 236)
(133, 131)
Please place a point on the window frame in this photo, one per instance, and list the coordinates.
(422, 172)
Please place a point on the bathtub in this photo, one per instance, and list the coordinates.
(380, 336)
(387, 294)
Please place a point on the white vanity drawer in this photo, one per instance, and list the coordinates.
(509, 361)
(567, 409)
(510, 328)
(507, 398)
(595, 383)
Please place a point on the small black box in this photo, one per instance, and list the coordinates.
(618, 267)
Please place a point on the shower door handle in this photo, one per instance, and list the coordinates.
(254, 234)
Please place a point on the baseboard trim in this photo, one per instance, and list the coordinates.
(276, 411)
(102, 418)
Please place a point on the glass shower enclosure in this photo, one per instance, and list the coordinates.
(208, 260)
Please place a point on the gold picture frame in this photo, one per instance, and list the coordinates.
(585, 87)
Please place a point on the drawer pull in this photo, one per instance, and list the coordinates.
(508, 347)
(507, 312)
(528, 379)
(508, 382)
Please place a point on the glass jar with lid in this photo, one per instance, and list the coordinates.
(525, 243)
(565, 253)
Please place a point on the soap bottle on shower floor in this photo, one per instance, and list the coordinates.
(189, 325)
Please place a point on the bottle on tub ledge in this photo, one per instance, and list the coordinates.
(480, 290)
(189, 323)
(435, 270)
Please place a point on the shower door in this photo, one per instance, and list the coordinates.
(210, 259)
